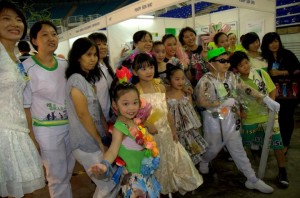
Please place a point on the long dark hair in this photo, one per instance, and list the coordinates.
(265, 51)
(100, 37)
(80, 47)
(8, 5)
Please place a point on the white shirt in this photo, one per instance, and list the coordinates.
(45, 92)
(102, 87)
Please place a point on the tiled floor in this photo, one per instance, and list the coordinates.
(225, 182)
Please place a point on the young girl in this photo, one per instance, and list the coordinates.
(131, 142)
(174, 52)
(196, 53)
(184, 116)
(176, 171)
(251, 43)
(217, 93)
(159, 52)
(86, 120)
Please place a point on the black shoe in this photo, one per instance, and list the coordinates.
(283, 181)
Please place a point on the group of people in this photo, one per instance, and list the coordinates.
(148, 128)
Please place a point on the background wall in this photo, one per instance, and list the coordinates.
(122, 33)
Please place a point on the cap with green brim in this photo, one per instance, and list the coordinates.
(215, 53)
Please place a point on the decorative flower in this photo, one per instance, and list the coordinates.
(123, 74)
(144, 111)
(133, 131)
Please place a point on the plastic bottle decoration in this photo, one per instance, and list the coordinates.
(295, 89)
(123, 74)
(213, 30)
(278, 90)
(117, 175)
(144, 111)
(284, 90)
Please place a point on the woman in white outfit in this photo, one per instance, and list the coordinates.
(45, 106)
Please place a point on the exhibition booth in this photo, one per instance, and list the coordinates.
(120, 25)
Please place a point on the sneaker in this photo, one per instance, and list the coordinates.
(259, 185)
(282, 179)
(203, 167)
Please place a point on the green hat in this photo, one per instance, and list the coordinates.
(215, 53)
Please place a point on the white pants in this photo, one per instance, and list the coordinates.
(105, 189)
(57, 158)
(219, 133)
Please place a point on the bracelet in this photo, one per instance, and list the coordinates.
(108, 165)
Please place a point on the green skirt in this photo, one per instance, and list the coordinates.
(254, 134)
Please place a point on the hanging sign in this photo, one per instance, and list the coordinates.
(138, 8)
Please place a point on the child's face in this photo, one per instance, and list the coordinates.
(88, 60)
(254, 47)
(177, 80)
(223, 41)
(221, 64)
(159, 53)
(244, 67)
(170, 46)
(232, 39)
(145, 72)
(128, 104)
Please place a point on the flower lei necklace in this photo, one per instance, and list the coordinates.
(143, 138)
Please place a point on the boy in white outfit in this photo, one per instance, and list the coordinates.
(217, 95)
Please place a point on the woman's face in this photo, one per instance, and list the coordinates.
(274, 46)
(232, 39)
(254, 47)
(46, 40)
(145, 44)
(170, 46)
(159, 53)
(223, 42)
(11, 26)
(102, 46)
(88, 60)
(189, 38)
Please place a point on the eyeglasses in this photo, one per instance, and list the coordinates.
(222, 61)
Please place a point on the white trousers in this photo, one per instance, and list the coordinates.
(57, 158)
(105, 188)
(225, 132)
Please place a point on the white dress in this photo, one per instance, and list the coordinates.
(176, 170)
(20, 164)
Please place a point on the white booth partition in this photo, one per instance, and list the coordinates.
(120, 35)
(250, 15)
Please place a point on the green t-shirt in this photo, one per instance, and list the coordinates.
(132, 158)
(261, 81)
